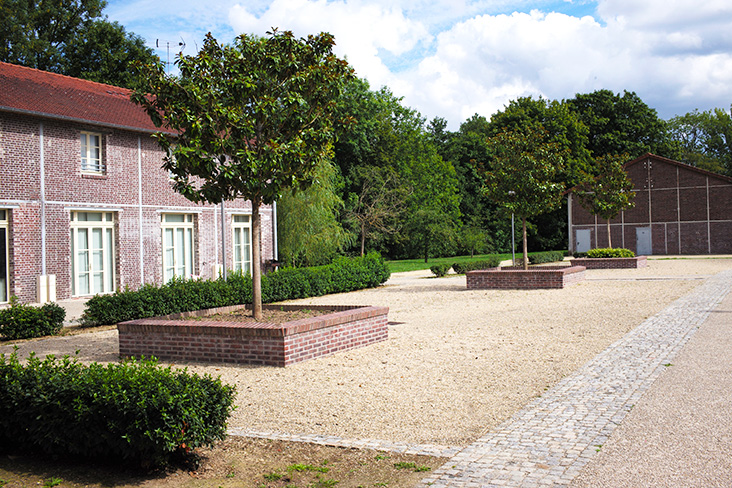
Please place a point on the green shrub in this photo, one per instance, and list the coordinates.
(440, 269)
(491, 262)
(20, 321)
(610, 253)
(344, 274)
(546, 257)
(136, 411)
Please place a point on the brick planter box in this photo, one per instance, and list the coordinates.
(347, 327)
(518, 278)
(611, 263)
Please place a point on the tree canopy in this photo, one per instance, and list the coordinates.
(705, 139)
(608, 190)
(70, 37)
(251, 119)
(523, 175)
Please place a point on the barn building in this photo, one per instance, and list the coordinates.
(85, 207)
(679, 209)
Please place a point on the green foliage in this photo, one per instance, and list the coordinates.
(621, 124)
(523, 175)
(250, 120)
(704, 139)
(308, 232)
(440, 270)
(610, 253)
(21, 321)
(607, 191)
(546, 257)
(70, 37)
(464, 267)
(344, 274)
(135, 411)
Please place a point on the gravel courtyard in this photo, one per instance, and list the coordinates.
(456, 364)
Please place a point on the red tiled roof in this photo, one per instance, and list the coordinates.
(31, 91)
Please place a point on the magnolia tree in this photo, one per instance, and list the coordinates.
(523, 175)
(248, 120)
(608, 191)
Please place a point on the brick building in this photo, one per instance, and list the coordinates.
(679, 209)
(85, 206)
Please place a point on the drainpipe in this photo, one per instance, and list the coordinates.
(274, 231)
(223, 240)
(139, 196)
(43, 202)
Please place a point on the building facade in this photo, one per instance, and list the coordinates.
(85, 206)
(679, 209)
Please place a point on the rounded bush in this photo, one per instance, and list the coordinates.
(21, 321)
(610, 253)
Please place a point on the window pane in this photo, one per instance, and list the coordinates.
(241, 218)
(3, 215)
(3, 265)
(174, 218)
(109, 265)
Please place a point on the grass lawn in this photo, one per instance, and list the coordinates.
(416, 264)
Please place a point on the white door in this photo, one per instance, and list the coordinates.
(584, 240)
(643, 241)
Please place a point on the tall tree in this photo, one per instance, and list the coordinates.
(607, 191)
(621, 124)
(524, 175)
(308, 230)
(705, 139)
(251, 119)
(70, 37)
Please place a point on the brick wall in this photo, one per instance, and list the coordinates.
(688, 211)
(534, 278)
(137, 198)
(177, 339)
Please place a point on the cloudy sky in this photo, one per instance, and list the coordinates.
(455, 58)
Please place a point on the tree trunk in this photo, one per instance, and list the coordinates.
(426, 250)
(256, 261)
(526, 253)
(363, 238)
(609, 242)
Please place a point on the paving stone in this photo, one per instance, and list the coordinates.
(553, 437)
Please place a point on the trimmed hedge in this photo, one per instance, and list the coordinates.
(440, 269)
(135, 411)
(491, 262)
(344, 274)
(610, 253)
(546, 257)
(20, 321)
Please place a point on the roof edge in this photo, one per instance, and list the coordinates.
(82, 121)
(673, 162)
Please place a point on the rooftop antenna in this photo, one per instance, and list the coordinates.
(159, 42)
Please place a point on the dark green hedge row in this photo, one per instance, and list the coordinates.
(610, 253)
(546, 257)
(440, 269)
(344, 274)
(20, 321)
(491, 262)
(136, 412)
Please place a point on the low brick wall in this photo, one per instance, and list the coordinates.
(518, 278)
(611, 263)
(347, 327)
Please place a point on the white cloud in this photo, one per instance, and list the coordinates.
(361, 29)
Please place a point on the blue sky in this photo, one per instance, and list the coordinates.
(455, 58)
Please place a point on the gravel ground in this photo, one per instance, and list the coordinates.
(457, 362)
(678, 435)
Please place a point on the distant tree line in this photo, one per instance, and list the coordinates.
(394, 182)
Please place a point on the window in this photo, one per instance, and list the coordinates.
(92, 253)
(91, 153)
(4, 256)
(242, 243)
(177, 246)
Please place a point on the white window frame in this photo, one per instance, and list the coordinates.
(99, 260)
(178, 245)
(92, 156)
(241, 225)
(5, 273)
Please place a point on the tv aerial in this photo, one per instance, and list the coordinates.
(160, 42)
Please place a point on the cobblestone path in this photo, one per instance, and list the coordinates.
(548, 442)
